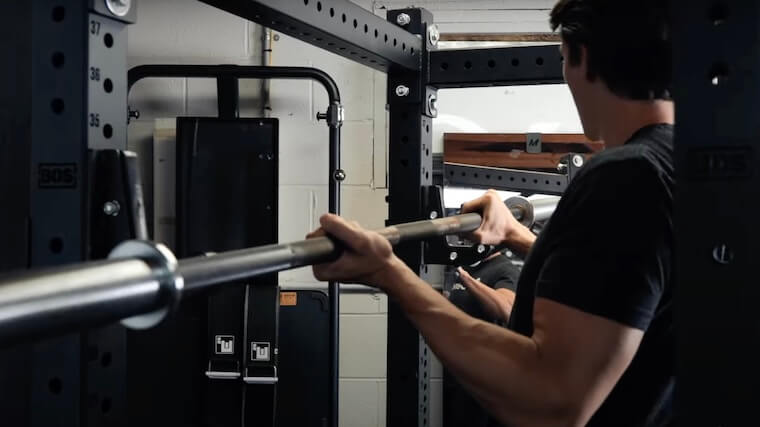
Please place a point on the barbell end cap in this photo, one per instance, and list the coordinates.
(164, 265)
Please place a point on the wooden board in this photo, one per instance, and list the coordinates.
(508, 150)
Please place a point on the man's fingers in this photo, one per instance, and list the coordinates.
(468, 281)
(341, 229)
(473, 205)
(319, 232)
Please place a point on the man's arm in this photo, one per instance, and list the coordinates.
(497, 303)
(557, 377)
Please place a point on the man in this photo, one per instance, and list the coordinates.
(590, 338)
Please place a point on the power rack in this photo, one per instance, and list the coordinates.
(53, 109)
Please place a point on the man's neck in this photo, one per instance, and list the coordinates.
(624, 118)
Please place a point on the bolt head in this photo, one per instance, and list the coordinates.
(481, 249)
(577, 161)
(433, 105)
(434, 35)
(433, 215)
(339, 175)
(453, 256)
(111, 208)
(402, 90)
(723, 254)
(119, 7)
(403, 19)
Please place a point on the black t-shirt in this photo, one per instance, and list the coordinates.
(497, 272)
(608, 251)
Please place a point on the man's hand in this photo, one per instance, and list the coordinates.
(496, 302)
(366, 258)
(499, 225)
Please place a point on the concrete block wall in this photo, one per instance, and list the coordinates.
(304, 173)
(185, 32)
(178, 31)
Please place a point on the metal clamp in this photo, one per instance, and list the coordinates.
(334, 116)
(164, 265)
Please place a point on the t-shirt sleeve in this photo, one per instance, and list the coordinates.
(610, 254)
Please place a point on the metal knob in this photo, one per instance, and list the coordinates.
(432, 102)
(434, 35)
(111, 208)
(402, 90)
(119, 7)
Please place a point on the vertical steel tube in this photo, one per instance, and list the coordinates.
(333, 290)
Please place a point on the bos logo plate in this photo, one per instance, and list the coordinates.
(57, 175)
(224, 344)
(260, 352)
(533, 142)
(721, 163)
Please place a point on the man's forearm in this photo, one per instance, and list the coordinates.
(502, 369)
(520, 240)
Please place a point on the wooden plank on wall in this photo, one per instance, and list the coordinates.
(508, 150)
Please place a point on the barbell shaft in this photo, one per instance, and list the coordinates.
(204, 271)
(91, 294)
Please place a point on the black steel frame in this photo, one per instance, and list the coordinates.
(504, 179)
(338, 26)
(62, 94)
(717, 77)
(496, 67)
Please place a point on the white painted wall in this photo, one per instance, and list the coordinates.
(178, 31)
(515, 109)
(303, 195)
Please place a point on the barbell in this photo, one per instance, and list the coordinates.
(142, 281)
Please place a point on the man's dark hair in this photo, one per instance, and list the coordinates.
(627, 42)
